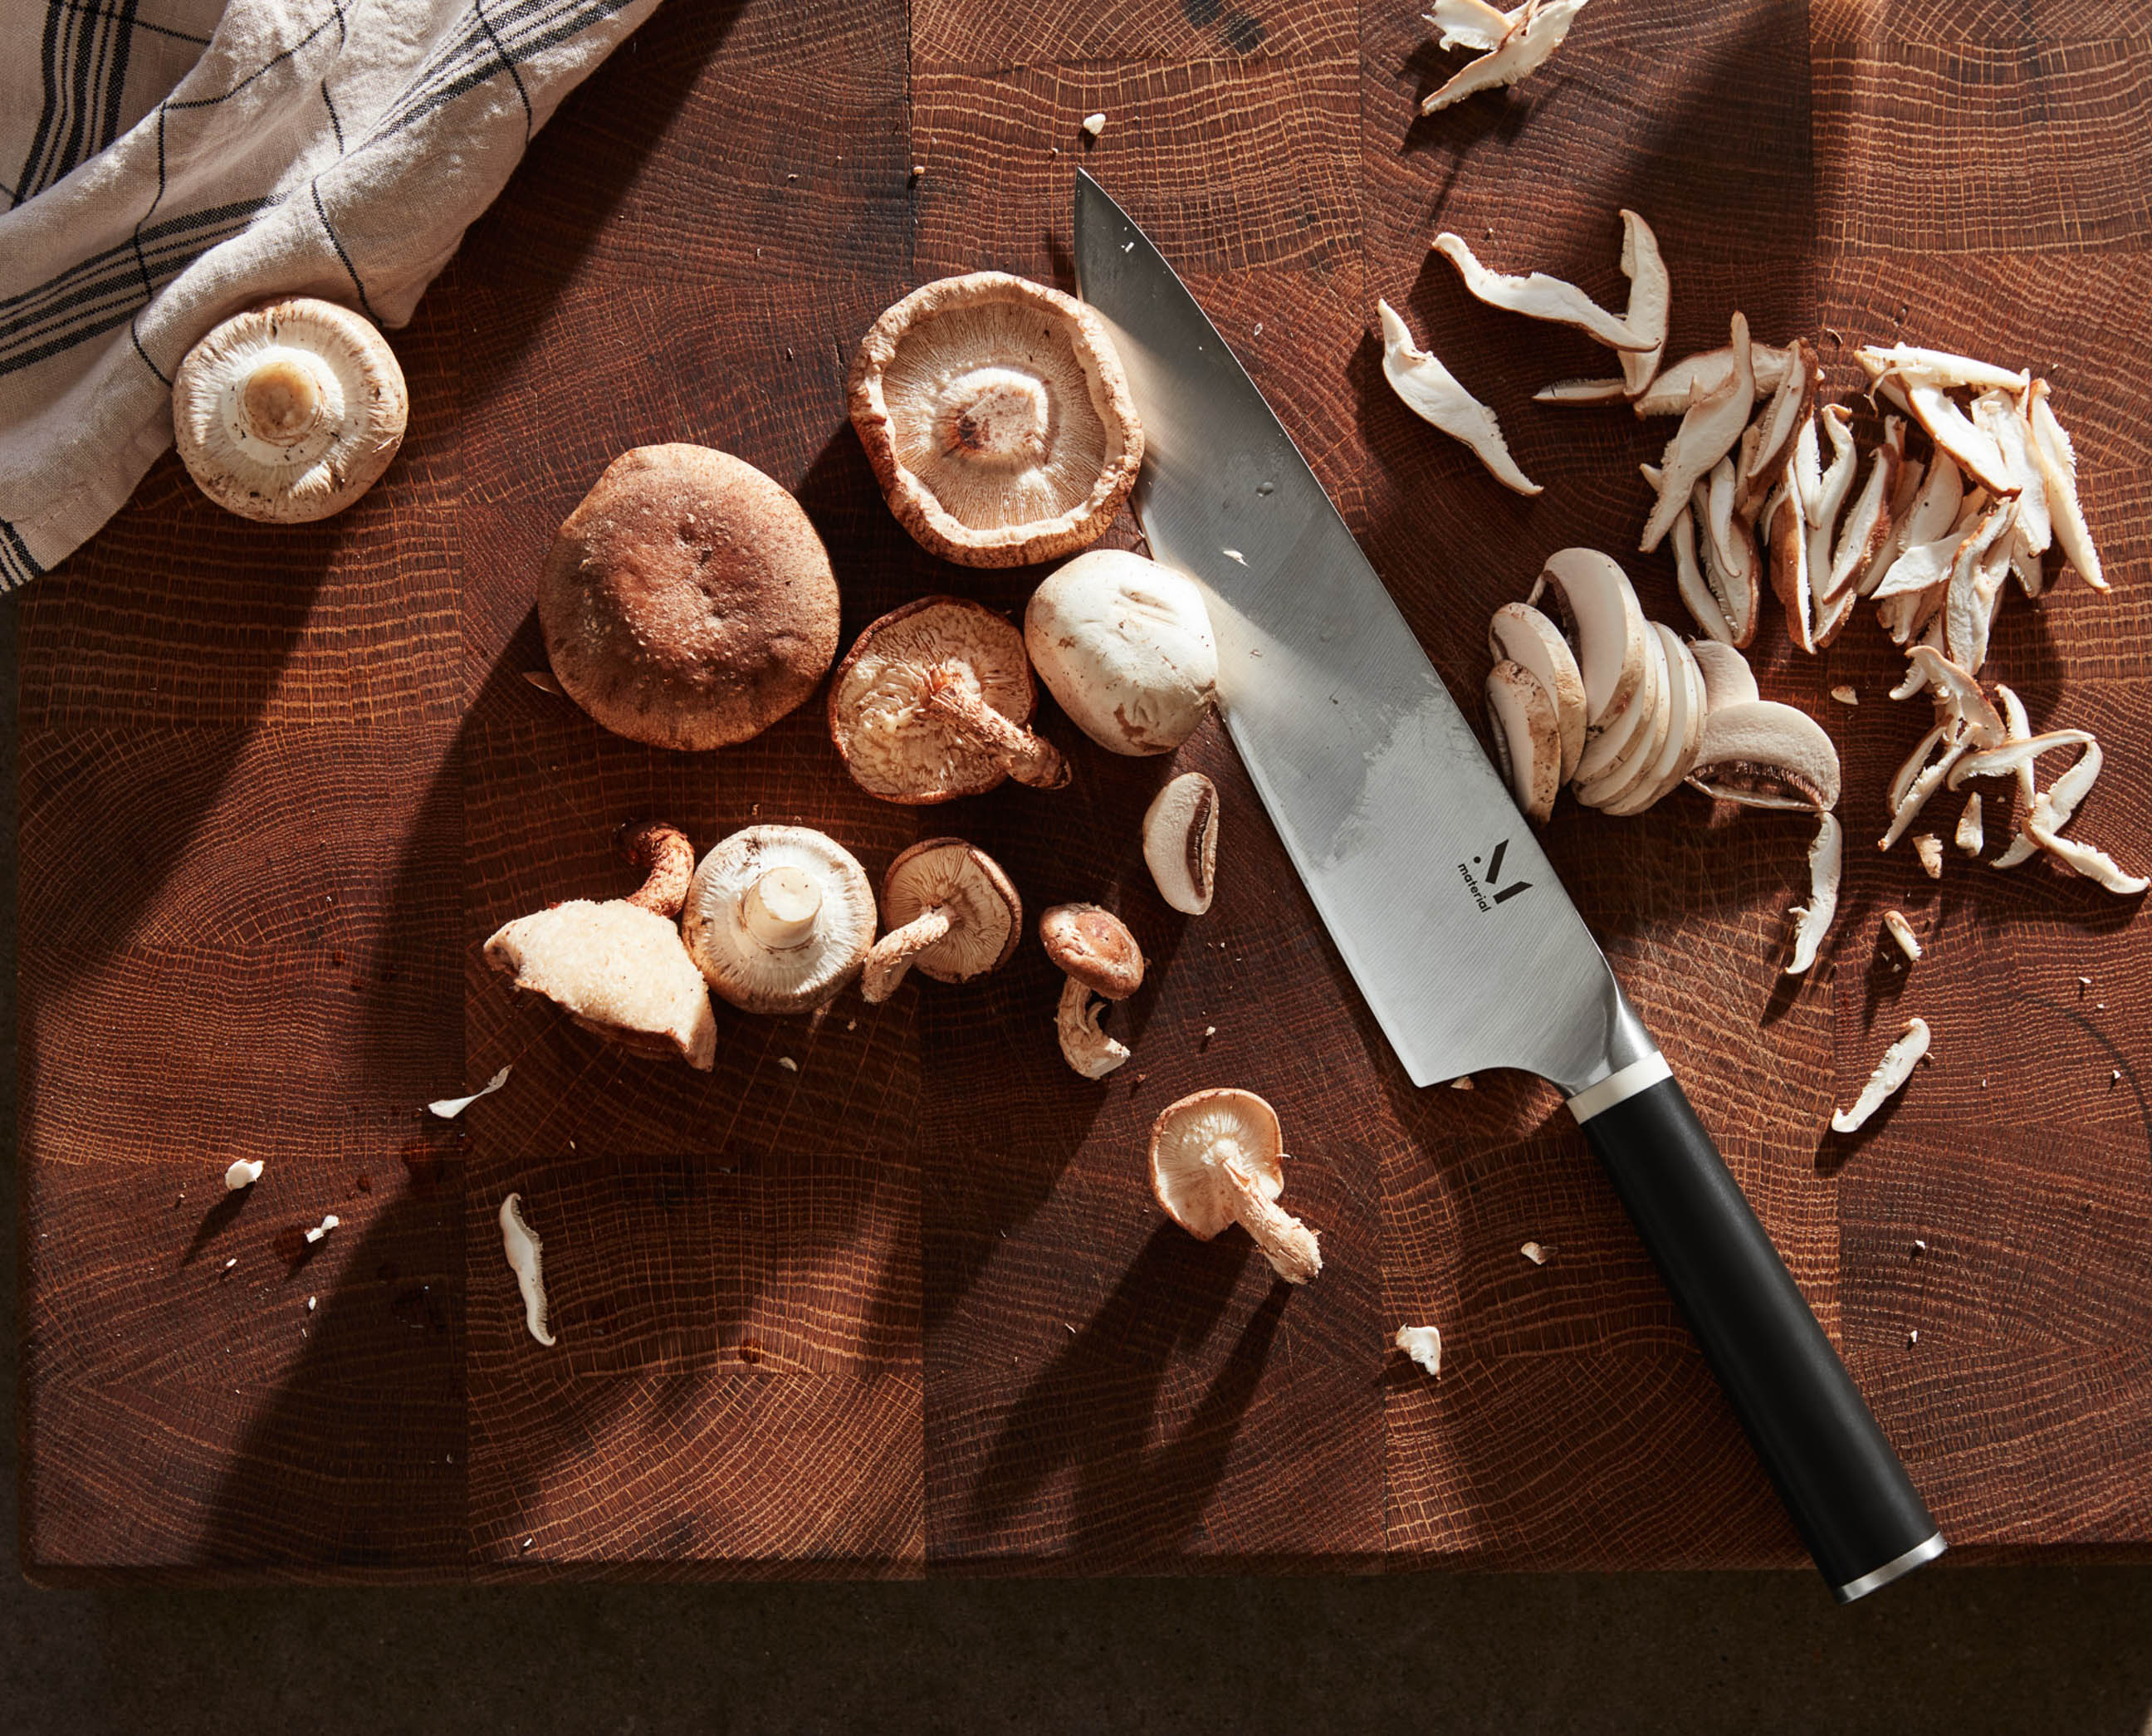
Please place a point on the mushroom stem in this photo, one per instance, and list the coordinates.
(1085, 1047)
(1027, 758)
(779, 910)
(667, 860)
(1287, 1243)
(283, 398)
(894, 951)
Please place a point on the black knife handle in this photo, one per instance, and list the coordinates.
(1849, 1496)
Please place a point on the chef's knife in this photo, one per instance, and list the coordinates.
(1438, 897)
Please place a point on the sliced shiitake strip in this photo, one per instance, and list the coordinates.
(1432, 392)
(1621, 756)
(2095, 865)
(1933, 367)
(1891, 1072)
(1998, 413)
(1710, 427)
(1767, 755)
(1867, 527)
(1604, 623)
(1812, 920)
(1697, 595)
(1728, 679)
(1703, 374)
(1955, 432)
(1650, 292)
(1785, 529)
(2004, 761)
(1969, 709)
(1520, 717)
(1778, 423)
(2058, 462)
(1685, 709)
(1971, 833)
(1731, 565)
(1613, 391)
(1540, 297)
(1525, 636)
(1977, 571)
(1911, 793)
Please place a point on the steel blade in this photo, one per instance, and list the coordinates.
(1438, 897)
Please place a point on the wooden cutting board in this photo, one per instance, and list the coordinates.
(905, 1305)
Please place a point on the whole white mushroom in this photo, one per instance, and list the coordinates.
(1124, 646)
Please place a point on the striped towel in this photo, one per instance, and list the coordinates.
(166, 163)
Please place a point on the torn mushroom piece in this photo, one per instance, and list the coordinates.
(1891, 1072)
(931, 704)
(520, 1243)
(1432, 392)
(1124, 645)
(1217, 1158)
(1534, 31)
(1702, 374)
(1901, 931)
(1812, 920)
(289, 412)
(997, 418)
(1764, 754)
(1094, 948)
(618, 968)
(778, 918)
(1527, 738)
(1181, 842)
(1651, 292)
(1970, 836)
(946, 909)
(1424, 1345)
(1524, 636)
(1540, 297)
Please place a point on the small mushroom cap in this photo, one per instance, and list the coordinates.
(687, 603)
(1093, 946)
(995, 416)
(1125, 645)
(737, 962)
(616, 968)
(893, 744)
(986, 915)
(289, 412)
(1191, 1142)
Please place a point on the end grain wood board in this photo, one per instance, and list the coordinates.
(909, 1308)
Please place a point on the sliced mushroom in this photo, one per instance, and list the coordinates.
(2016, 727)
(2058, 464)
(1728, 679)
(1901, 931)
(1827, 499)
(1971, 713)
(1812, 920)
(1431, 391)
(1604, 623)
(1770, 440)
(931, 704)
(1181, 842)
(1710, 428)
(2012, 756)
(778, 918)
(997, 418)
(1764, 754)
(1909, 794)
(2095, 865)
(520, 1243)
(1125, 645)
(1975, 588)
(1694, 588)
(946, 910)
(1867, 527)
(1536, 32)
(1094, 950)
(1971, 834)
(1785, 527)
(1540, 297)
(1685, 708)
(1606, 391)
(1891, 1072)
(1520, 633)
(1955, 432)
(290, 412)
(1702, 374)
(1998, 413)
(1527, 739)
(1621, 756)
(1731, 565)
(1933, 367)
(618, 969)
(1217, 1158)
(1650, 292)
(1468, 24)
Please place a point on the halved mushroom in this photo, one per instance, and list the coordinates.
(1812, 920)
(1218, 1158)
(1728, 679)
(997, 418)
(1891, 1072)
(289, 412)
(1524, 636)
(2058, 464)
(1181, 842)
(1702, 374)
(778, 918)
(931, 704)
(1432, 392)
(1710, 428)
(1125, 645)
(1604, 623)
(618, 969)
(1651, 293)
(1540, 297)
(1685, 708)
(1536, 30)
(947, 910)
(1763, 755)
(1526, 737)
(1933, 367)
(1094, 950)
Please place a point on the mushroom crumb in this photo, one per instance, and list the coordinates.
(1209, 1031)
(310, 1304)
(449, 1108)
(1845, 695)
(788, 1063)
(231, 1262)
(1901, 931)
(1929, 848)
(243, 1173)
(1463, 1082)
(322, 1228)
(1534, 1252)
(1423, 1344)
(520, 1243)
(1920, 1246)
(1914, 1336)
(1094, 124)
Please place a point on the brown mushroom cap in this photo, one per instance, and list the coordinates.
(995, 414)
(780, 918)
(986, 916)
(894, 745)
(289, 412)
(687, 603)
(1094, 947)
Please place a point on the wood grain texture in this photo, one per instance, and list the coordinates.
(904, 1305)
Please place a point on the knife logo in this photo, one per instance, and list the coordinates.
(1487, 896)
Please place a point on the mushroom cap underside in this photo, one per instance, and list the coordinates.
(984, 909)
(1193, 1139)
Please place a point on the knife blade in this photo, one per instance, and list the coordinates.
(1440, 901)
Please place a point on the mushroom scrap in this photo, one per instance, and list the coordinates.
(618, 968)
(1431, 391)
(1093, 946)
(1217, 1158)
(1515, 43)
(948, 910)
(778, 918)
(1891, 1072)
(1124, 645)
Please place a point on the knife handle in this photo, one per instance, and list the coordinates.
(1848, 1493)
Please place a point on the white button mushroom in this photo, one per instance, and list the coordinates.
(1099, 955)
(1217, 1158)
(778, 918)
(949, 910)
(1125, 645)
(1181, 842)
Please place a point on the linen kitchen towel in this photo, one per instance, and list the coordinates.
(165, 163)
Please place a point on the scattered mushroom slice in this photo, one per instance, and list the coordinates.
(2003, 761)
(1891, 1072)
(1920, 778)
(1697, 595)
(1812, 920)
(1934, 367)
(1540, 297)
(289, 412)
(1998, 413)
(2016, 727)
(2058, 464)
(618, 969)
(1901, 931)
(1827, 499)
(948, 910)
(1468, 24)
(1764, 754)
(1731, 564)
(1702, 374)
(1093, 946)
(931, 704)
(1867, 527)
(1520, 717)
(778, 918)
(2095, 865)
(1685, 709)
(449, 1108)
(1983, 724)
(1181, 842)
(1651, 292)
(1423, 1344)
(1778, 425)
(1928, 850)
(1728, 679)
(1537, 32)
(1125, 645)
(1955, 432)
(1710, 428)
(997, 418)
(1604, 623)
(1522, 634)
(520, 1241)
(1431, 391)
(1217, 1158)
